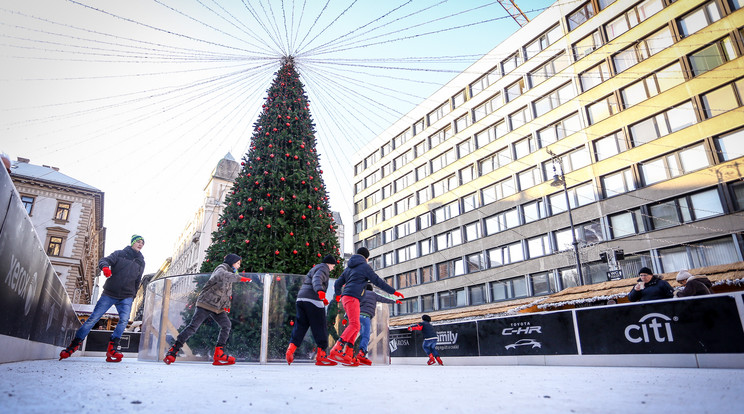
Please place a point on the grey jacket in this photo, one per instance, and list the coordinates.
(315, 280)
(217, 292)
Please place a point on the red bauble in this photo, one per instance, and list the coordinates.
(287, 123)
(296, 157)
(281, 211)
(293, 196)
(309, 206)
(271, 155)
(271, 145)
(319, 255)
(250, 199)
(303, 181)
(266, 173)
(268, 226)
(274, 129)
(282, 179)
(291, 233)
(240, 217)
(307, 244)
(303, 217)
(302, 145)
(260, 209)
(247, 241)
(255, 182)
(276, 252)
(294, 251)
(281, 198)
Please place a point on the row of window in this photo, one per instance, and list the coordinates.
(703, 253)
(62, 213)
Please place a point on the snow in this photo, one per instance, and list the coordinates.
(87, 384)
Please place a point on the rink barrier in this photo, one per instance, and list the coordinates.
(36, 314)
(703, 331)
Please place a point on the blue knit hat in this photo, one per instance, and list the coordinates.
(136, 238)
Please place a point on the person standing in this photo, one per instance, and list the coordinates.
(353, 284)
(367, 308)
(310, 306)
(693, 285)
(213, 302)
(123, 270)
(650, 287)
(430, 339)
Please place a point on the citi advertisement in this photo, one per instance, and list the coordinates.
(704, 325)
(541, 334)
(457, 339)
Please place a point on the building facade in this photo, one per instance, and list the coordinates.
(635, 105)
(68, 217)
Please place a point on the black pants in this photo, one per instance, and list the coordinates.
(309, 315)
(199, 316)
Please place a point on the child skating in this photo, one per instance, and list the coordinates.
(430, 339)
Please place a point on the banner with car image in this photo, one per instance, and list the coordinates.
(538, 334)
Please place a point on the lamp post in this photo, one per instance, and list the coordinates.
(559, 181)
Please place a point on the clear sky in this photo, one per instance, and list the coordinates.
(141, 99)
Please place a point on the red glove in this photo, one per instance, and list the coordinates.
(227, 310)
(338, 298)
(322, 297)
(400, 295)
(344, 322)
(398, 302)
(106, 271)
(409, 329)
(245, 279)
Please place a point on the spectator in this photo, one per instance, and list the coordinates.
(650, 287)
(693, 285)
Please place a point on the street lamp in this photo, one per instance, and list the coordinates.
(559, 181)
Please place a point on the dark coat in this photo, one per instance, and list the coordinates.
(656, 288)
(127, 266)
(315, 280)
(696, 286)
(355, 277)
(427, 330)
(217, 292)
(368, 303)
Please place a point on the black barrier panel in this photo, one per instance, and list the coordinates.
(97, 341)
(55, 321)
(684, 326)
(6, 189)
(404, 344)
(456, 339)
(22, 270)
(539, 334)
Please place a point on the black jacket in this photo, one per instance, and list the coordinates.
(656, 288)
(427, 330)
(315, 280)
(696, 286)
(368, 303)
(127, 266)
(355, 276)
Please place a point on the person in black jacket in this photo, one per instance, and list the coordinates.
(650, 287)
(123, 270)
(367, 308)
(353, 281)
(310, 305)
(430, 339)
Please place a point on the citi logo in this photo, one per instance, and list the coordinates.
(653, 327)
(20, 282)
(446, 338)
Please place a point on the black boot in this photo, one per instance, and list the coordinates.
(67, 352)
(112, 351)
(172, 353)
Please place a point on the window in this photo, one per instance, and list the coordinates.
(387, 148)
(28, 203)
(643, 49)
(472, 231)
(594, 76)
(407, 253)
(533, 211)
(372, 199)
(494, 161)
(602, 109)
(737, 194)
(408, 306)
(427, 274)
(554, 99)
(685, 209)
(580, 15)
(652, 85)
(424, 221)
(706, 253)
(467, 174)
(632, 18)
(487, 107)
(443, 160)
(510, 63)
(543, 284)
(549, 69)
(570, 161)
(731, 145)
(563, 240)
(712, 56)
(359, 186)
(54, 248)
(448, 239)
(445, 270)
(387, 191)
(438, 113)
(425, 247)
(458, 99)
(698, 19)
(403, 159)
(578, 196)
(420, 148)
(372, 178)
(386, 169)
(502, 221)
(538, 246)
(470, 202)
(519, 118)
(444, 185)
(723, 99)
(627, 223)
(407, 279)
(529, 178)
(401, 138)
(501, 189)
(418, 127)
(524, 147)
(504, 255)
(618, 183)
(587, 45)
(569, 277)
(359, 168)
(662, 124)
(406, 228)
(543, 41)
(462, 122)
(372, 220)
(515, 89)
(610, 145)
(736, 4)
(452, 298)
(446, 212)
(63, 211)
(475, 262)
(388, 259)
(508, 289)
(423, 195)
(422, 171)
(403, 205)
(559, 130)
(490, 134)
(477, 294)
(440, 136)
(374, 241)
(484, 81)
(672, 165)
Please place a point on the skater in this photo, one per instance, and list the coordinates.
(430, 339)
(650, 287)
(214, 302)
(367, 308)
(353, 281)
(310, 305)
(123, 270)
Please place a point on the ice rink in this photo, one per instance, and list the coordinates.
(90, 385)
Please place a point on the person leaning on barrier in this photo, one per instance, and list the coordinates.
(650, 287)
(693, 285)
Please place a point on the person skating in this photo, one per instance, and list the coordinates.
(430, 339)
(310, 306)
(367, 308)
(123, 270)
(213, 302)
(353, 284)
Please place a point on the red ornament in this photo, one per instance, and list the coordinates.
(287, 123)
(250, 199)
(271, 145)
(309, 206)
(293, 196)
(303, 181)
(281, 198)
(291, 233)
(307, 244)
(260, 209)
(294, 251)
(276, 252)
(302, 145)
(266, 173)
(303, 217)
(281, 211)
(256, 182)
(282, 179)
(318, 254)
(271, 155)
(247, 241)
(296, 157)
(239, 203)
(268, 226)
(240, 217)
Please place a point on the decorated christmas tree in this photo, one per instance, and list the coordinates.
(277, 217)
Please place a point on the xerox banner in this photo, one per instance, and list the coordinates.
(538, 334)
(694, 325)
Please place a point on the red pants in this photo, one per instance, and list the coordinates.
(351, 306)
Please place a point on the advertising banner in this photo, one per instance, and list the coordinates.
(456, 339)
(694, 325)
(538, 334)
(404, 344)
(97, 341)
(55, 321)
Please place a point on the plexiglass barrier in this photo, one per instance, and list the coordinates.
(262, 313)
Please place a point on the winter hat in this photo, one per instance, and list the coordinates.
(683, 275)
(364, 252)
(135, 239)
(329, 259)
(646, 270)
(231, 259)
(426, 318)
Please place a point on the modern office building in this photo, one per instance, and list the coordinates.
(620, 120)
